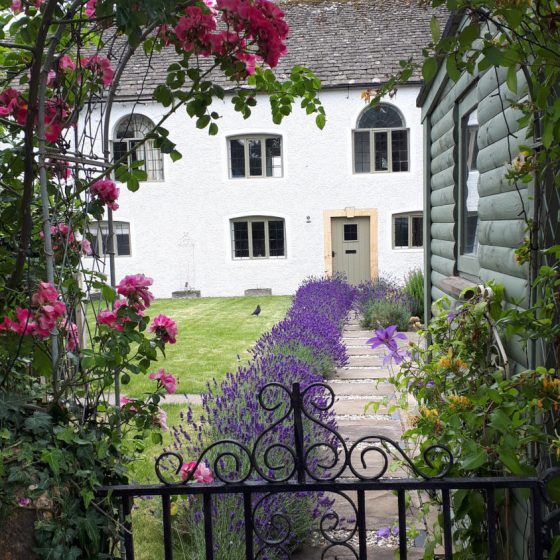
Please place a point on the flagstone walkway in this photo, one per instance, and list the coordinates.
(364, 380)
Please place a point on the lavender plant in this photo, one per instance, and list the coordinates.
(232, 410)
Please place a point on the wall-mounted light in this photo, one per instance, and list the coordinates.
(307, 219)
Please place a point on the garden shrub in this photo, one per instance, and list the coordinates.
(383, 302)
(231, 410)
(414, 287)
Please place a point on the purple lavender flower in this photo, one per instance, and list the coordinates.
(386, 337)
(384, 532)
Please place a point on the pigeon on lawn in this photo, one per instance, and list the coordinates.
(257, 311)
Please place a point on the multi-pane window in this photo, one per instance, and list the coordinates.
(470, 184)
(258, 238)
(407, 231)
(381, 141)
(129, 134)
(99, 238)
(255, 156)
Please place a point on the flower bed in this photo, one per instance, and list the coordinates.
(232, 410)
(383, 302)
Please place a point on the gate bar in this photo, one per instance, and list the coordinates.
(402, 524)
(207, 500)
(167, 537)
(128, 540)
(248, 508)
(447, 538)
(491, 521)
(362, 524)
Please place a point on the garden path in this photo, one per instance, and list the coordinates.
(364, 380)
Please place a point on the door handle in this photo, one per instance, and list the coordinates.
(333, 254)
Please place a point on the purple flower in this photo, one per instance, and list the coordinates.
(397, 356)
(384, 532)
(451, 315)
(386, 337)
(23, 501)
(430, 384)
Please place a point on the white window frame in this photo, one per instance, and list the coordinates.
(372, 132)
(410, 216)
(101, 226)
(250, 220)
(467, 264)
(146, 146)
(262, 137)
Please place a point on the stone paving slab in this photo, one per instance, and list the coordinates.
(355, 407)
(370, 361)
(358, 388)
(353, 430)
(361, 373)
(363, 349)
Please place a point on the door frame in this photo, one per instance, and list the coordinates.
(350, 213)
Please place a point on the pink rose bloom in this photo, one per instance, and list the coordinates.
(46, 293)
(202, 474)
(71, 330)
(161, 420)
(90, 8)
(24, 324)
(16, 6)
(124, 401)
(48, 316)
(165, 328)
(86, 246)
(135, 288)
(66, 63)
(107, 192)
(166, 379)
(108, 318)
(100, 66)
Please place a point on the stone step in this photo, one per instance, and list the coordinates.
(364, 360)
(357, 332)
(364, 350)
(360, 388)
(349, 327)
(342, 408)
(354, 430)
(350, 373)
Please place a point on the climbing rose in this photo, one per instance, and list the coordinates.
(135, 288)
(165, 328)
(202, 474)
(24, 324)
(100, 66)
(125, 401)
(46, 293)
(90, 8)
(108, 318)
(71, 330)
(166, 379)
(160, 420)
(66, 63)
(106, 192)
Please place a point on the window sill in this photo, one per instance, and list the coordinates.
(414, 249)
(369, 173)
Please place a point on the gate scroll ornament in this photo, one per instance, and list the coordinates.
(330, 466)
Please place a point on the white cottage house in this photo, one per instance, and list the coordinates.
(263, 206)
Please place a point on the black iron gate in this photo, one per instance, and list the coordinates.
(329, 467)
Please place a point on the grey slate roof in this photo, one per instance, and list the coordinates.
(344, 42)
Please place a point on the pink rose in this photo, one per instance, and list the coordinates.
(166, 379)
(165, 328)
(106, 192)
(202, 474)
(135, 289)
(100, 66)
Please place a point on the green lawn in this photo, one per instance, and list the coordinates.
(212, 332)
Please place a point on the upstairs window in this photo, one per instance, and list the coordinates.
(408, 231)
(99, 238)
(258, 237)
(381, 141)
(129, 132)
(255, 156)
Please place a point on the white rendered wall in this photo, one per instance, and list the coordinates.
(180, 228)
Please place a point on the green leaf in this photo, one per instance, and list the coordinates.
(320, 121)
(553, 489)
(548, 134)
(435, 29)
(87, 496)
(475, 460)
(451, 67)
(39, 422)
(203, 121)
(508, 458)
(511, 79)
(213, 129)
(175, 155)
(429, 69)
(108, 293)
(500, 421)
